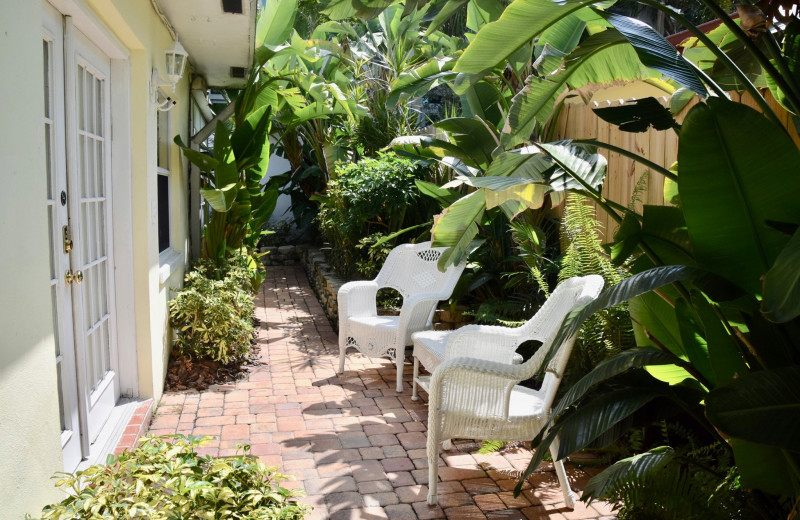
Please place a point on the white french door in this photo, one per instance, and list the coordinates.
(77, 148)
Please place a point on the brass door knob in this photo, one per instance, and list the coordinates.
(70, 277)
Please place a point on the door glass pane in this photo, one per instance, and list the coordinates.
(48, 157)
(50, 226)
(61, 413)
(47, 78)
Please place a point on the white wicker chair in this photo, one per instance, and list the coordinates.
(412, 270)
(474, 391)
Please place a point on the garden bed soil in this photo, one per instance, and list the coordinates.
(195, 375)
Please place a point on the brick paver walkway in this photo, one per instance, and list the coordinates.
(355, 445)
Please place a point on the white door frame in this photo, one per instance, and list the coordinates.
(84, 19)
(118, 162)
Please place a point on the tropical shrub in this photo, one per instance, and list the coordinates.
(166, 479)
(370, 196)
(213, 318)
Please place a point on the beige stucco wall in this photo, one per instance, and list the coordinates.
(30, 446)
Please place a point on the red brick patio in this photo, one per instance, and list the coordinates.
(355, 445)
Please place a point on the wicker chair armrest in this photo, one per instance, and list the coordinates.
(357, 298)
(490, 343)
(462, 383)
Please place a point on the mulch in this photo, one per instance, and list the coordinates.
(185, 374)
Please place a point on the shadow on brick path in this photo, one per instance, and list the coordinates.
(352, 443)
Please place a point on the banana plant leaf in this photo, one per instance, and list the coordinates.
(662, 229)
(275, 22)
(781, 301)
(249, 139)
(419, 80)
(791, 53)
(470, 134)
(521, 21)
(606, 483)
(724, 356)
(221, 199)
(341, 9)
(767, 468)
(729, 192)
(482, 12)
(761, 407)
(442, 196)
(656, 52)
(457, 226)
(636, 285)
(603, 58)
(448, 10)
(597, 415)
(638, 116)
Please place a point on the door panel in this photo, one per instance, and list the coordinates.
(89, 213)
(57, 217)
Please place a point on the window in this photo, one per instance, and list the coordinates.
(162, 182)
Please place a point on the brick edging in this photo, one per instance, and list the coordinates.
(137, 426)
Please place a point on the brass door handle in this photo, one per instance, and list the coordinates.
(70, 277)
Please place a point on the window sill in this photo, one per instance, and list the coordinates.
(169, 260)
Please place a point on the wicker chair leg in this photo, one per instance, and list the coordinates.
(433, 467)
(342, 353)
(561, 473)
(414, 396)
(399, 358)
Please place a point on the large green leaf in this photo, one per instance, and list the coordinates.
(249, 141)
(726, 360)
(693, 339)
(638, 116)
(425, 148)
(419, 80)
(276, 22)
(483, 99)
(596, 416)
(522, 163)
(662, 230)
(448, 10)
(655, 323)
(441, 195)
(221, 199)
(341, 9)
(602, 58)
(761, 407)
(791, 55)
(472, 136)
(781, 301)
(205, 162)
(482, 12)
(565, 34)
(636, 285)
(521, 21)
(737, 171)
(656, 52)
(579, 168)
(611, 367)
(767, 468)
(458, 221)
(636, 468)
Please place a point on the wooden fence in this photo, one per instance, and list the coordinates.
(578, 121)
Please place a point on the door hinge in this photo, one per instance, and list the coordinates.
(67, 239)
